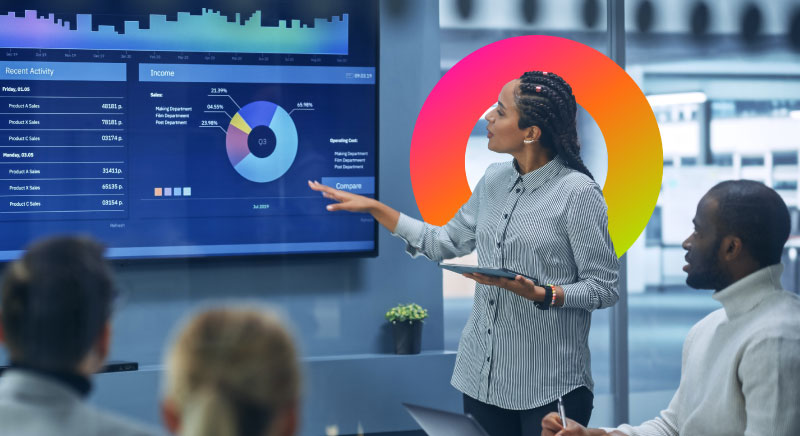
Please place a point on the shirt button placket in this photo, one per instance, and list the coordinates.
(500, 231)
(487, 366)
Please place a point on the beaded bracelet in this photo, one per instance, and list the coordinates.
(555, 294)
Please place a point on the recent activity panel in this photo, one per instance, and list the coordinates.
(63, 140)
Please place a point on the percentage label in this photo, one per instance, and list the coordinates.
(215, 107)
(219, 90)
(305, 104)
(209, 123)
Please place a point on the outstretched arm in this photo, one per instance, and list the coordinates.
(348, 201)
(456, 238)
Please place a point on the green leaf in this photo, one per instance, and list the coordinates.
(406, 312)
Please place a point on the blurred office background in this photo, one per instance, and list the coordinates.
(723, 79)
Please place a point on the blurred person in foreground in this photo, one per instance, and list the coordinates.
(740, 372)
(56, 326)
(232, 372)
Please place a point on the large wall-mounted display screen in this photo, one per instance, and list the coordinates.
(180, 131)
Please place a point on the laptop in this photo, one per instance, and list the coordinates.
(440, 423)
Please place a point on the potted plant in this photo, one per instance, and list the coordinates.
(406, 322)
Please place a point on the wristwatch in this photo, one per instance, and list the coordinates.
(548, 298)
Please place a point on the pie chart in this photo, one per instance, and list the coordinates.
(261, 141)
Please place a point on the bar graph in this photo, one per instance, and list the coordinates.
(209, 31)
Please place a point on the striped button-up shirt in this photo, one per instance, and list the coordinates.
(550, 224)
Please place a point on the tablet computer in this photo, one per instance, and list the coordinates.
(471, 269)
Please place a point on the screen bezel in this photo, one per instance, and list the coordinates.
(121, 261)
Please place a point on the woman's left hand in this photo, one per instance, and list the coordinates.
(521, 285)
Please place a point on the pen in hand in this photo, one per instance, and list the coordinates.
(561, 413)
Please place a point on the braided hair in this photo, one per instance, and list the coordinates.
(545, 99)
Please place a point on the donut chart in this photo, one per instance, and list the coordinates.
(261, 141)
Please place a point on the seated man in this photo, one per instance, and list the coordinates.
(55, 323)
(740, 373)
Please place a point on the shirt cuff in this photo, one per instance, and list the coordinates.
(578, 296)
(619, 429)
(410, 230)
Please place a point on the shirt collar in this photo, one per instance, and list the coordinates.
(745, 294)
(78, 383)
(536, 178)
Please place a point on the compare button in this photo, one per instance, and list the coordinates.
(356, 185)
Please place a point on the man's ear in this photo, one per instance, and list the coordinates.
(731, 248)
(170, 416)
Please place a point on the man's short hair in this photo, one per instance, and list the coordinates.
(56, 300)
(756, 214)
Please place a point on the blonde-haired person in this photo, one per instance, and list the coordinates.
(232, 372)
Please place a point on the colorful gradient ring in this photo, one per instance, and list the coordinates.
(633, 142)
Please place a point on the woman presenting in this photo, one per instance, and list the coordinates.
(543, 216)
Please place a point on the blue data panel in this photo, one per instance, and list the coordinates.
(187, 131)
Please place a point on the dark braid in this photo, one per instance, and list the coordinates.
(546, 100)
